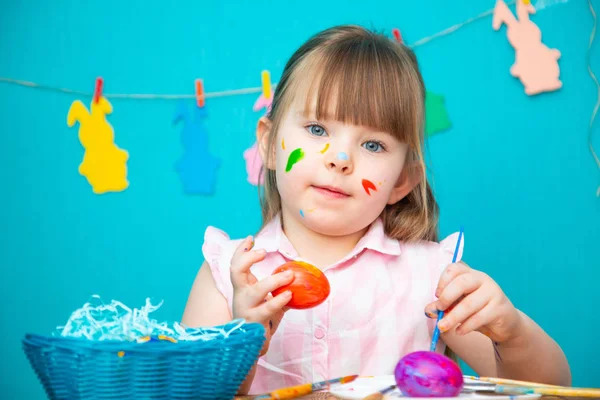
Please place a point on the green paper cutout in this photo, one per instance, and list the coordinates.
(436, 115)
(295, 156)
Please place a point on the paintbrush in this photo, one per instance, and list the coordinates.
(468, 388)
(568, 392)
(307, 388)
(511, 382)
(379, 395)
(545, 391)
(436, 332)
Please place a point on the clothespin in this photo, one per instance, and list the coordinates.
(98, 89)
(266, 84)
(200, 93)
(397, 35)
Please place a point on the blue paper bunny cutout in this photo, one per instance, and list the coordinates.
(197, 168)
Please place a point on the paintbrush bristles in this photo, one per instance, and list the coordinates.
(374, 396)
(379, 395)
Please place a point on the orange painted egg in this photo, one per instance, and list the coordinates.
(309, 288)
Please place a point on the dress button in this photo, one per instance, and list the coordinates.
(319, 333)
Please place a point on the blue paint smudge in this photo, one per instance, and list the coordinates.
(342, 156)
(302, 213)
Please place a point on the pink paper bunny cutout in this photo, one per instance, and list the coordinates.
(535, 65)
(263, 102)
(254, 163)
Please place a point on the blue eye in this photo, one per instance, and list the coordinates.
(316, 130)
(373, 146)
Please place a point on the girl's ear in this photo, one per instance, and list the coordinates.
(263, 134)
(411, 176)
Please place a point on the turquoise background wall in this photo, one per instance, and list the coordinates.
(514, 170)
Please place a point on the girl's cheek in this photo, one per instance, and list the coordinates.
(369, 186)
(294, 157)
(290, 163)
(299, 154)
(374, 186)
(324, 149)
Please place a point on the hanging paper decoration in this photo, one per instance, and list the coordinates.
(254, 165)
(261, 103)
(535, 64)
(197, 168)
(436, 115)
(104, 164)
(252, 157)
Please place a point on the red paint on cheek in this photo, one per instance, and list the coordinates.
(367, 184)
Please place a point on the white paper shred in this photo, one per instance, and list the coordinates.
(115, 321)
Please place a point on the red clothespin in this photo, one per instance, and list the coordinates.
(200, 93)
(98, 89)
(397, 35)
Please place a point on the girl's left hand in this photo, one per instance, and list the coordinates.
(472, 301)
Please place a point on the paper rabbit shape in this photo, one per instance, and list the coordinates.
(251, 155)
(535, 64)
(197, 168)
(263, 102)
(104, 164)
(254, 166)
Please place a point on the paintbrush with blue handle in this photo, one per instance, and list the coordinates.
(436, 332)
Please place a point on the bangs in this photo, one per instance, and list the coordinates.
(363, 81)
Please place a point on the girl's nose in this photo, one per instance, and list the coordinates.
(339, 161)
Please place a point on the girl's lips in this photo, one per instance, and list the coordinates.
(331, 192)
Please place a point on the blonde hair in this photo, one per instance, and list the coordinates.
(374, 82)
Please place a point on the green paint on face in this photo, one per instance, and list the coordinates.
(295, 156)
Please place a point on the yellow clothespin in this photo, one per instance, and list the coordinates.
(266, 84)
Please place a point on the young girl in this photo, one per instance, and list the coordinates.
(346, 190)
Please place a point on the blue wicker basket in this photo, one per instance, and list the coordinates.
(74, 368)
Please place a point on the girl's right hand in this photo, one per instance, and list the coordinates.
(251, 298)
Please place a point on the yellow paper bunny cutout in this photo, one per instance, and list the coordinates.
(104, 164)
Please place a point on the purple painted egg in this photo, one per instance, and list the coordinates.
(428, 374)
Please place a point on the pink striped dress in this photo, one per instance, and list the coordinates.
(373, 316)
